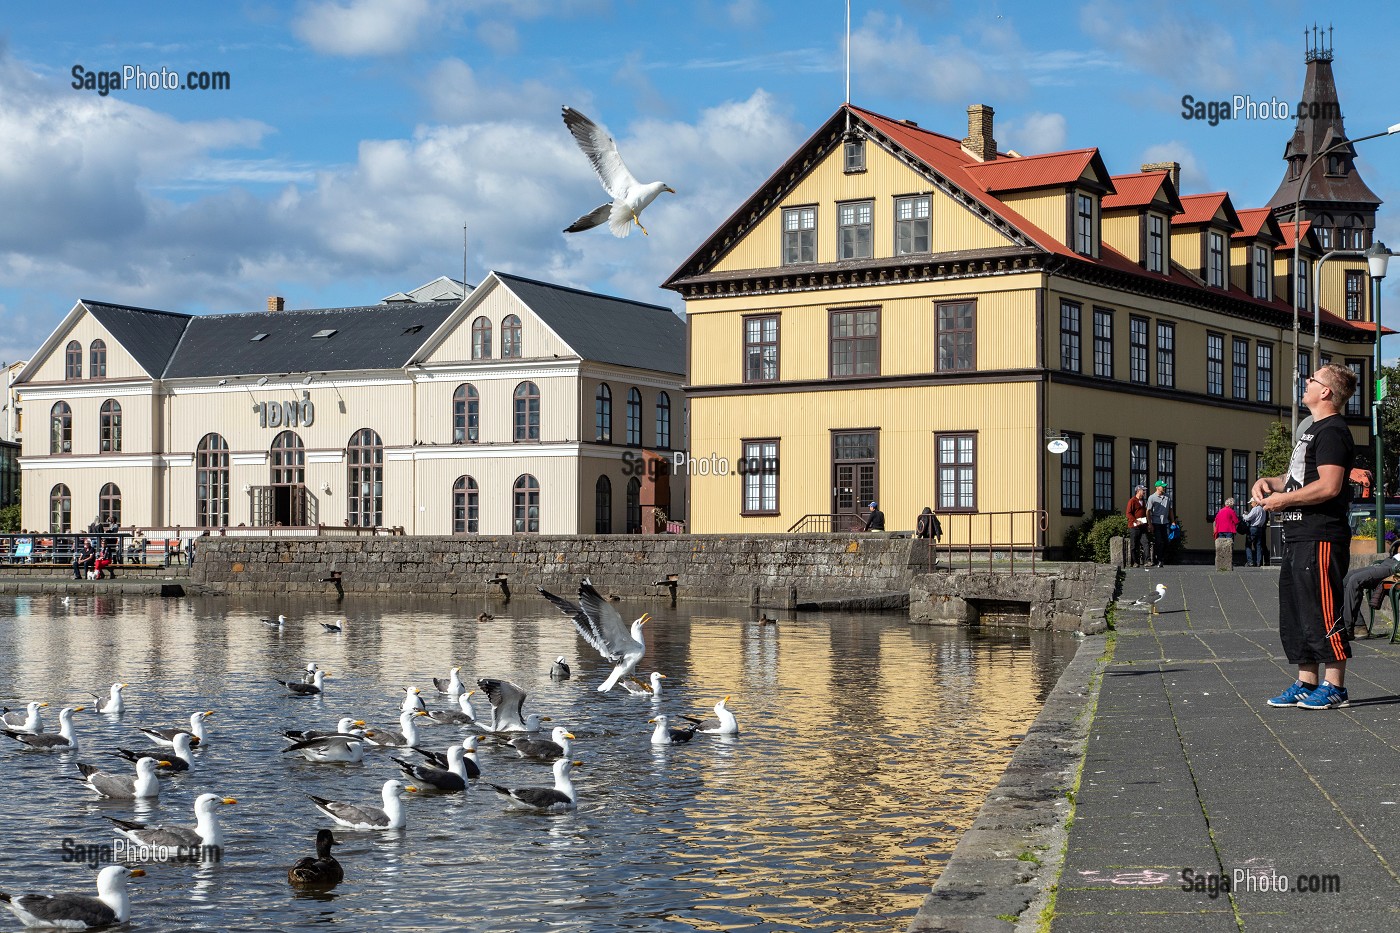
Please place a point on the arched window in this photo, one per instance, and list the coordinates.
(466, 415)
(109, 505)
(527, 412)
(510, 338)
(365, 458)
(97, 360)
(466, 506)
(634, 416)
(60, 509)
(602, 506)
(211, 482)
(663, 420)
(110, 427)
(73, 360)
(602, 414)
(481, 339)
(288, 460)
(527, 505)
(634, 506)
(60, 429)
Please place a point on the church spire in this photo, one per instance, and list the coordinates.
(1339, 204)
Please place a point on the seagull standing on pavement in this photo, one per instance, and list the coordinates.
(629, 196)
(1151, 601)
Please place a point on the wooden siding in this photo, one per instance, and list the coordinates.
(86, 329)
(1123, 232)
(1046, 208)
(953, 226)
(536, 339)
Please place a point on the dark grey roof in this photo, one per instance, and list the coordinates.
(149, 336)
(608, 330)
(369, 337)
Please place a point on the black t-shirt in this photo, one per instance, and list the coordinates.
(1320, 443)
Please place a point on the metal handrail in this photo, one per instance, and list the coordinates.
(1024, 529)
(826, 522)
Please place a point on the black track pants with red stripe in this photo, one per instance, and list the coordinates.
(1311, 622)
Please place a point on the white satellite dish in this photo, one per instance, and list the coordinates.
(1057, 445)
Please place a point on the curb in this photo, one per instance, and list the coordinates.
(1025, 813)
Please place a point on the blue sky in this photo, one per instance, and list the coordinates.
(359, 136)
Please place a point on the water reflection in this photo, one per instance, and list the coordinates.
(865, 747)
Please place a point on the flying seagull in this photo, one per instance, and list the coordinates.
(1150, 601)
(629, 196)
(598, 621)
(507, 707)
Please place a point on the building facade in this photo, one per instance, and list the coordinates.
(457, 416)
(906, 317)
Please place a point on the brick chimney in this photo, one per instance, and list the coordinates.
(979, 142)
(275, 303)
(1173, 169)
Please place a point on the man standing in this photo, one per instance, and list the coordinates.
(1136, 510)
(1159, 514)
(1312, 499)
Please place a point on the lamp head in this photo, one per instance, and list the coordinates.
(1378, 257)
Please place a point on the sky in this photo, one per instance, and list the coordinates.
(356, 139)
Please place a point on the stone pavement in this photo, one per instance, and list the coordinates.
(1186, 769)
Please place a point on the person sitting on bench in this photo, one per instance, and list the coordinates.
(1369, 578)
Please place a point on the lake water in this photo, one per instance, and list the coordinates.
(866, 747)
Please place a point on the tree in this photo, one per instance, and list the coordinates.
(1278, 449)
(1390, 426)
(9, 515)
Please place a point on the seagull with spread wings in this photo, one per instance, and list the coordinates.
(507, 707)
(601, 626)
(629, 196)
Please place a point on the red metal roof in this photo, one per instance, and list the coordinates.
(1286, 228)
(1135, 190)
(1200, 208)
(1252, 220)
(1052, 169)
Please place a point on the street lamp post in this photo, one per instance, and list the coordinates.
(1297, 228)
(1377, 258)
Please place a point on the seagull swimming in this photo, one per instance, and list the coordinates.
(406, 737)
(559, 797)
(346, 726)
(470, 765)
(560, 669)
(722, 723)
(556, 746)
(114, 704)
(206, 832)
(639, 689)
(391, 816)
(309, 674)
(28, 721)
(663, 734)
(346, 748)
(412, 700)
(315, 688)
(629, 196)
(121, 786)
(168, 764)
(167, 736)
(452, 717)
(447, 780)
(335, 628)
(65, 741)
(278, 623)
(507, 702)
(452, 686)
(321, 871)
(111, 906)
(602, 627)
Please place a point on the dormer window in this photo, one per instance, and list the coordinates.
(1215, 260)
(1085, 225)
(1261, 273)
(1336, 165)
(854, 155)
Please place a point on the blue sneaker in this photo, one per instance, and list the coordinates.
(1293, 695)
(1326, 696)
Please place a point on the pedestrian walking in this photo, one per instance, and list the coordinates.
(1312, 498)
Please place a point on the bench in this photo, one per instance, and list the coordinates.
(1390, 586)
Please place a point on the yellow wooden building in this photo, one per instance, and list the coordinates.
(906, 317)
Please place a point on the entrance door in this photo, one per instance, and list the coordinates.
(855, 477)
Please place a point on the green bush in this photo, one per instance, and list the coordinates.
(1104, 529)
(1077, 546)
(9, 519)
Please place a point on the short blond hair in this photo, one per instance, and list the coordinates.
(1342, 382)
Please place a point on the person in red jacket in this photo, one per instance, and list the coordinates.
(1227, 520)
(1138, 529)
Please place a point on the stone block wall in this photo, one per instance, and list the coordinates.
(707, 566)
(1063, 597)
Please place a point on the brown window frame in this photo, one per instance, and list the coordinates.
(211, 477)
(466, 505)
(1138, 352)
(663, 420)
(512, 343)
(907, 229)
(466, 423)
(522, 488)
(940, 332)
(938, 465)
(832, 341)
(97, 359)
(109, 427)
(481, 337)
(60, 508)
(1355, 300)
(751, 345)
(72, 361)
(1073, 472)
(364, 465)
(632, 420)
(1103, 343)
(744, 444)
(602, 506)
(1156, 260)
(60, 428)
(800, 235)
(109, 504)
(520, 428)
(862, 235)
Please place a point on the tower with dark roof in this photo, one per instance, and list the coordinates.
(1334, 197)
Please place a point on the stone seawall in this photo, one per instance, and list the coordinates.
(819, 566)
(1063, 597)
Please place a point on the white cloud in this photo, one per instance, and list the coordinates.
(888, 57)
(1033, 133)
(364, 27)
(456, 95)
